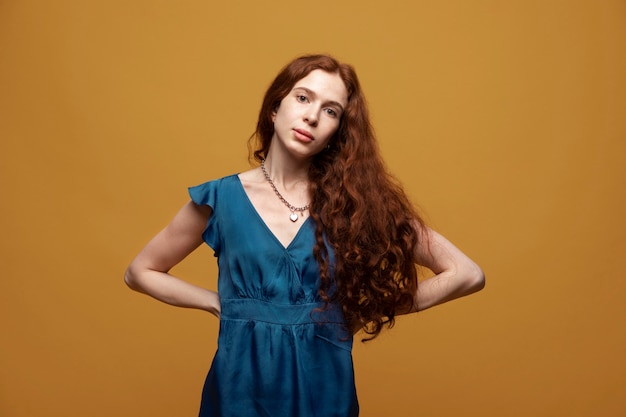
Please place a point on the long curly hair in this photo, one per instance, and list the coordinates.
(358, 207)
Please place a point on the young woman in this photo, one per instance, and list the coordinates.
(313, 245)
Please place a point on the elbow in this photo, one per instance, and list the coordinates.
(475, 279)
(130, 279)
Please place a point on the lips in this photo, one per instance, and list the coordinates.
(303, 134)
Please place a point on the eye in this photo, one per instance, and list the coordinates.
(302, 98)
(331, 112)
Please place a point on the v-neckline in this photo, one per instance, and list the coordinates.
(264, 223)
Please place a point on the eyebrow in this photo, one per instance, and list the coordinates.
(312, 93)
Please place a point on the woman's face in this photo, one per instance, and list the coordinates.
(309, 115)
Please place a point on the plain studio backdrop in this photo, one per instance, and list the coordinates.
(503, 119)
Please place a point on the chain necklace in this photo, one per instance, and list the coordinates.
(293, 216)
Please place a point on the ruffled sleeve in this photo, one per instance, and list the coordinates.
(206, 194)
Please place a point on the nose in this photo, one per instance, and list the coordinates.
(311, 117)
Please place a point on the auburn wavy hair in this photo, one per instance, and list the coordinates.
(358, 207)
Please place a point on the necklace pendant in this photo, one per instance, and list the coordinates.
(293, 216)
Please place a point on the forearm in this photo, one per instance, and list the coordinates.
(171, 290)
(447, 286)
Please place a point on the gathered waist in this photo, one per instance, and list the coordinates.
(259, 310)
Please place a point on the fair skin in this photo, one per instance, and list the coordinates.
(304, 124)
(456, 275)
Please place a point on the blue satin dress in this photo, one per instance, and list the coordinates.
(277, 355)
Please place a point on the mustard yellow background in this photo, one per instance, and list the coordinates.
(504, 120)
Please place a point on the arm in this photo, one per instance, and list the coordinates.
(149, 271)
(456, 275)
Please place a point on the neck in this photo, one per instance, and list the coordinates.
(288, 172)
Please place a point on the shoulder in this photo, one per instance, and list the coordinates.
(251, 179)
(251, 176)
(207, 192)
(217, 181)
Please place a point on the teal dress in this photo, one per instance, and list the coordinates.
(278, 354)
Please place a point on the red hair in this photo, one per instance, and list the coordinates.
(359, 208)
